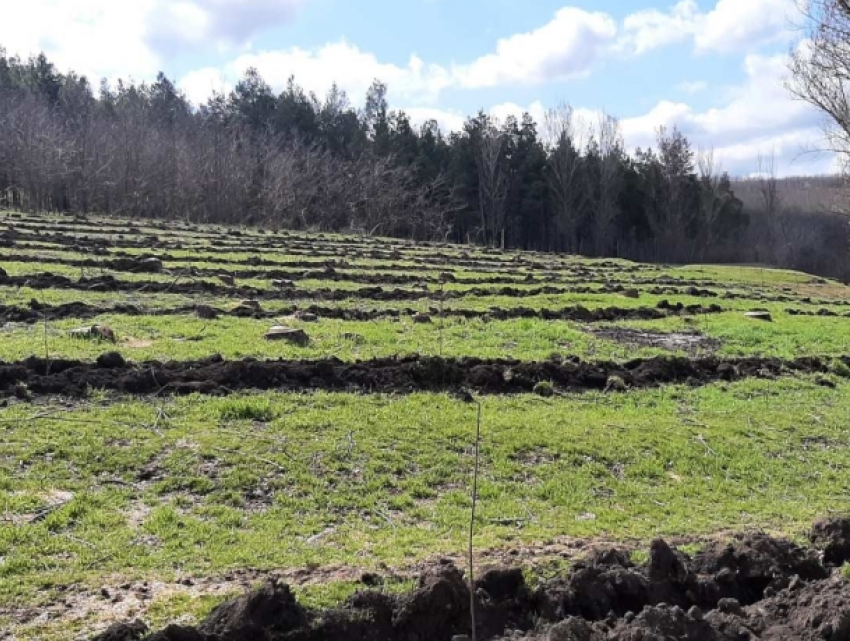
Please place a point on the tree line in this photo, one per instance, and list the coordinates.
(295, 160)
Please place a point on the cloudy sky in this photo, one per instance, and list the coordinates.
(715, 68)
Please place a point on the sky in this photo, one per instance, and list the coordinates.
(713, 68)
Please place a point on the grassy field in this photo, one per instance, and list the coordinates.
(159, 506)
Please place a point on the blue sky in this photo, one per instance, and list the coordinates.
(712, 67)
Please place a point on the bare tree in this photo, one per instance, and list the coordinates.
(779, 238)
(492, 183)
(711, 201)
(768, 184)
(820, 69)
(565, 137)
(608, 140)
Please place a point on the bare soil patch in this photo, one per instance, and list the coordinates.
(755, 587)
(689, 342)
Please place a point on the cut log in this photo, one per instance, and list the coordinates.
(762, 316)
(206, 312)
(280, 333)
(95, 332)
(149, 265)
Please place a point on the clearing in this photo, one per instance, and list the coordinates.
(158, 469)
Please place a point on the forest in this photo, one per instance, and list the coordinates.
(298, 161)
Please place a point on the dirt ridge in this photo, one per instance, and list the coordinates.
(183, 284)
(754, 587)
(37, 312)
(107, 283)
(339, 271)
(217, 376)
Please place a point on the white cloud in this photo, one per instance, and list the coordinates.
(316, 70)
(732, 25)
(762, 103)
(759, 115)
(201, 84)
(134, 39)
(176, 24)
(789, 147)
(97, 38)
(693, 87)
(107, 38)
(448, 120)
(537, 110)
(563, 49)
(640, 131)
(740, 24)
(651, 29)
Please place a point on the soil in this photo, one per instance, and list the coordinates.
(369, 248)
(691, 342)
(38, 311)
(186, 285)
(74, 232)
(216, 376)
(821, 312)
(755, 587)
(424, 263)
(374, 275)
(107, 283)
(306, 271)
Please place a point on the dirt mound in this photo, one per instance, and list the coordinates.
(108, 283)
(749, 568)
(214, 375)
(270, 610)
(820, 312)
(816, 611)
(785, 594)
(38, 311)
(131, 631)
(833, 537)
(309, 270)
(811, 612)
(378, 274)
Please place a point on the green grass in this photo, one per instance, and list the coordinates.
(22, 296)
(744, 274)
(249, 409)
(114, 490)
(69, 271)
(786, 337)
(51, 259)
(277, 480)
(189, 338)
